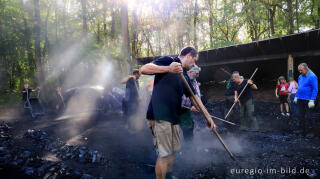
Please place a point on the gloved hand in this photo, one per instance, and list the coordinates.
(311, 104)
(295, 100)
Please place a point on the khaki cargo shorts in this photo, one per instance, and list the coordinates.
(166, 137)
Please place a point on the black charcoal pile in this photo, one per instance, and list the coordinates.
(17, 161)
(267, 114)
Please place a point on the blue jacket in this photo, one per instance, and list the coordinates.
(307, 86)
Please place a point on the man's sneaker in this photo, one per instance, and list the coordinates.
(288, 114)
(283, 114)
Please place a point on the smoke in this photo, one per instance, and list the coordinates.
(205, 149)
(85, 79)
(138, 122)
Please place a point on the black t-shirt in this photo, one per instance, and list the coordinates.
(247, 93)
(167, 94)
(24, 93)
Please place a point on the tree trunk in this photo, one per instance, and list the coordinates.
(56, 24)
(149, 45)
(37, 32)
(27, 35)
(297, 15)
(98, 32)
(84, 18)
(211, 23)
(65, 36)
(195, 17)
(318, 21)
(134, 38)
(125, 50)
(104, 23)
(272, 12)
(290, 16)
(46, 41)
(113, 24)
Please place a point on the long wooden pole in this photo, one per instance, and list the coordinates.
(198, 103)
(215, 117)
(241, 92)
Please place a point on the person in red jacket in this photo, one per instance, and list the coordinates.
(282, 94)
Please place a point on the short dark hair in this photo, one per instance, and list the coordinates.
(136, 71)
(186, 50)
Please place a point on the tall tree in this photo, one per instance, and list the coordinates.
(37, 41)
(195, 19)
(125, 47)
(290, 16)
(134, 40)
(84, 18)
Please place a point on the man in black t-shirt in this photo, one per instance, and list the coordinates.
(165, 105)
(229, 93)
(246, 101)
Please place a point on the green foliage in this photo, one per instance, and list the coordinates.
(159, 28)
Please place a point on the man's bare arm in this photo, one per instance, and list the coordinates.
(151, 69)
(236, 96)
(252, 85)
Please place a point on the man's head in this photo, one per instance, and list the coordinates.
(193, 73)
(136, 73)
(188, 57)
(236, 77)
(303, 68)
(26, 85)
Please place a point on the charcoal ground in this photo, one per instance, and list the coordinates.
(102, 146)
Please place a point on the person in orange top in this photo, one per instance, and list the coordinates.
(282, 94)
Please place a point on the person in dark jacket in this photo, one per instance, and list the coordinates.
(131, 99)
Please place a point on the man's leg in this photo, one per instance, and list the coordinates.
(168, 142)
(251, 118)
(242, 117)
(161, 167)
(302, 112)
(292, 105)
(310, 119)
(170, 160)
(281, 107)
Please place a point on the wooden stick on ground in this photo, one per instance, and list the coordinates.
(241, 92)
(198, 103)
(215, 117)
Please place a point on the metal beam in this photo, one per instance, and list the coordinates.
(259, 58)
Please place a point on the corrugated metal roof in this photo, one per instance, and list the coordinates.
(298, 45)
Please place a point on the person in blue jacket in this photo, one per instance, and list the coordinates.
(306, 94)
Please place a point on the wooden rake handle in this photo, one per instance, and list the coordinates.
(198, 103)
